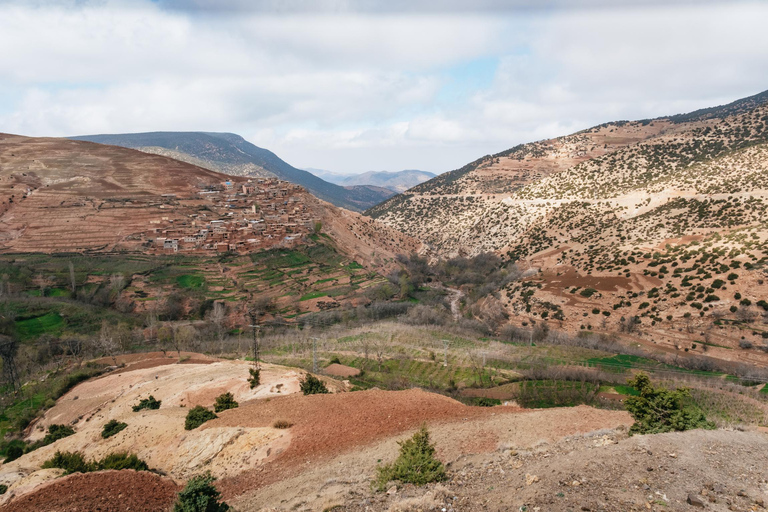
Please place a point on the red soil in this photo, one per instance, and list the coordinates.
(327, 425)
(340, 370)
(103, 491)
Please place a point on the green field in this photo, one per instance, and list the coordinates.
(50, 323)
(190, 281)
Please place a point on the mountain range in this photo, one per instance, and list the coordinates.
(231, 154)
(654, 227)
(397, 182)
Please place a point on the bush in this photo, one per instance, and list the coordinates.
(3, 489)
(224, 402)
(282, 424)
(56, 432)
(147, 403)
(311, 385)
(121, 460)
(13, 452)
(416, 463)
(335, 360)
(112, 427)
(658, 410)
(199, 495)
(197, 416)
(255, 378)
(70, 462)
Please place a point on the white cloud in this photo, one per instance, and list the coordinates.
(357, 90)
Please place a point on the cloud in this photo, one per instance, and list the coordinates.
(353, 86)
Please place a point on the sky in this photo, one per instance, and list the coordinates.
(354, 86)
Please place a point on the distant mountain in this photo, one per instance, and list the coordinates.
(231, 154)
(395, 181)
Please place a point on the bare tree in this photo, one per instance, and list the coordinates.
(218, 316)
(9, 347)
(72, 282)
(106, 343)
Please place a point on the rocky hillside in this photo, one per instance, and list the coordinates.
(60, 195)
(654, 228)
(231, 154)
(399, 181)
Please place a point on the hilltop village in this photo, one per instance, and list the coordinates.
(238, 217)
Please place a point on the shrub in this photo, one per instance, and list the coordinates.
(56, 432)
(121, 460)
(3, 489)
(112, 427)
(199, 495)
(255, 378)
(658, 410)
(587, 292)
(70, 462)
(335, 360)
(282, 424)
(416, 463)
(311, 385)
(147, 403)
(13, 452)
(224, 402)
(197, 416)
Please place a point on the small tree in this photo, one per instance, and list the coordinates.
(199, 495)
(197, 416)
(147, 403)
(311, 385)
(415, 465)
(224, 402)
(658, 410)
(255, 378)
(112, 427)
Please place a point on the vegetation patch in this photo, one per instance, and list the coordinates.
(416, 463)
(112, 427)
(199, 495)
(225, 401)
(147, 403)
(197, 416)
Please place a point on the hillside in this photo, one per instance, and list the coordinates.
(654, 228)
(399, 181)
(59, 195)
(231, 154)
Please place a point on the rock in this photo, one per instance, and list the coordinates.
(392, 490)
(531, 479)
(695, 501)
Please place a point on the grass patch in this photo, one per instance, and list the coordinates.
(190, 281)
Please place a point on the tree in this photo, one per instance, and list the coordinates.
(106, 342)
(197, 416)
(658, 410)
(199, 495)
(9, 347)
(217, 316)
(224, 402)
(416, 463)
(311, 385)
(72, 281)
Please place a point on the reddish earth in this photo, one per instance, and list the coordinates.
(103, 491)
(340, 370)
(357, 418)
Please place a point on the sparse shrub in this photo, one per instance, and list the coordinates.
(658, 410)
(121, 460)
(70, 462)
(197, 416)
(147, 403)
(745, 344)
(282, 424)
(311, 385)
(224, 402)
(255, 378)
(112, 427)
(199, 495)
(13, 452)
(335, 360)
(56, 432)
(416, 463)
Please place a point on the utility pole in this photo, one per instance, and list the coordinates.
(445, 353)
(314, 355)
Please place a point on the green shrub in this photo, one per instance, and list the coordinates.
(199, 495)
(147, 403)
(416, 463)
(112, 427)
(121, 460)
(3, 489)
(197, 416)
(224, 402)
(335, 360)
(70, 462)
(311, 385)
(13, 452)
(56, 432)
(255, 378)
(658, 410)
